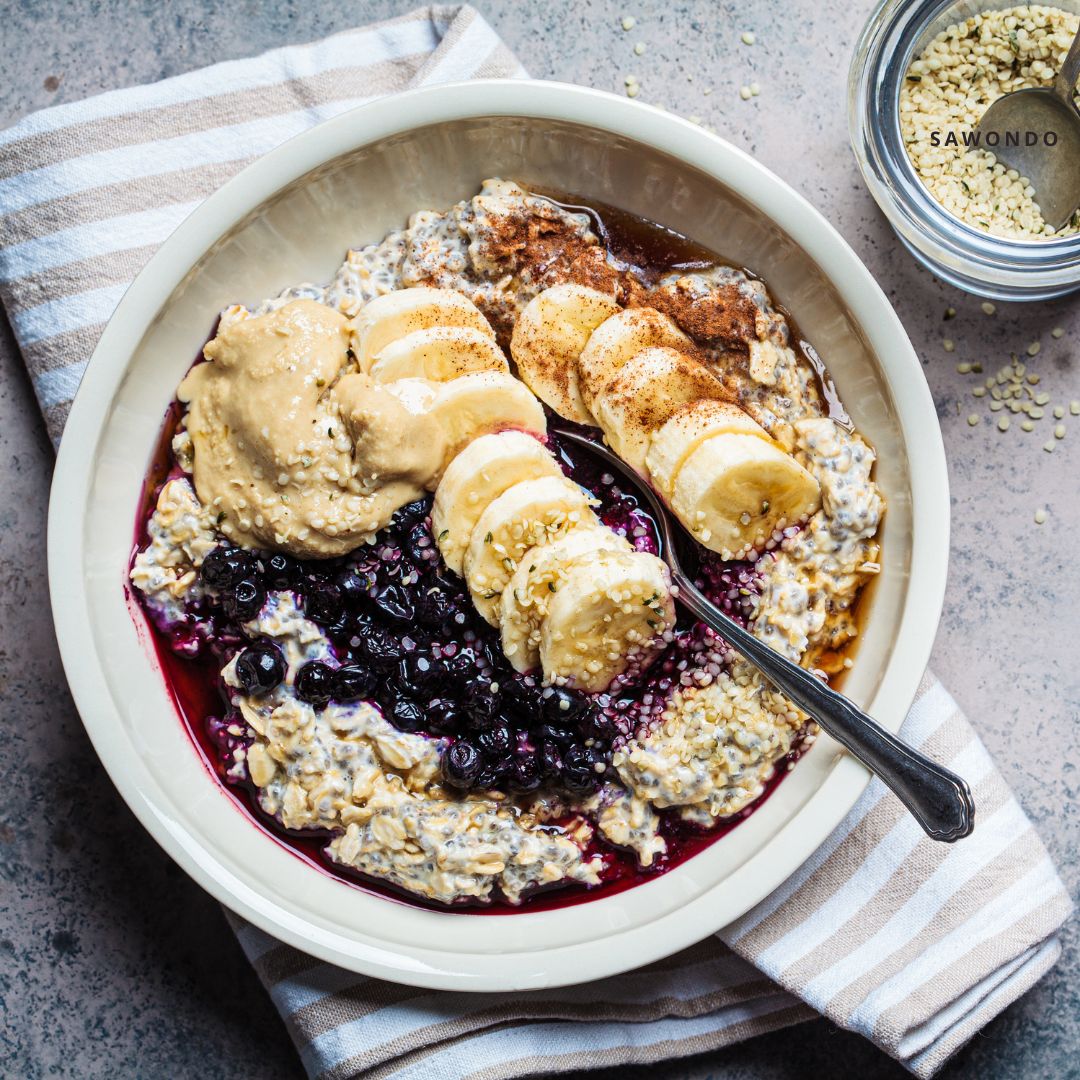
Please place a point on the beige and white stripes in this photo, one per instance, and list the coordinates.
(915, 945)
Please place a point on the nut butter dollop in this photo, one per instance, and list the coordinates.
(293, 448)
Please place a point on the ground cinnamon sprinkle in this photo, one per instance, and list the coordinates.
(723, 316)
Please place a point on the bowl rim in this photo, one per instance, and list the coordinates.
(688, 144)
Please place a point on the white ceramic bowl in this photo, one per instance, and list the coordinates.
(289, 218)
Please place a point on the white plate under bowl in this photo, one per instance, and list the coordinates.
(289, 218)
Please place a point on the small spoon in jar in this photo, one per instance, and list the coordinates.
(939, 800)
(1037, 133)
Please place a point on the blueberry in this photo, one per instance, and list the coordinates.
(395, 604)
(559, 735)
(563, 706)
(379, 647)
(525, 775)
(495, 659)
(443, 717)
(420, 545)
(435, 607)
(356, 585)
(459, 667)
(322, 602)
(462, 764)
(404, 713)
(411, 513)
(551, 759)
(280, 571)
(480, 701)
(419, 674)
(260, 668)
(225, 565)
(315, 683)
(495, 739)
(495, 770)
(596, 724)
(524, 696)
(578, 773)
(352, 683)
(244, 599)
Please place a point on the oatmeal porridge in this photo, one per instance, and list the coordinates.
(428, 642)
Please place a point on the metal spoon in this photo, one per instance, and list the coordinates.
(1037, 133)
(938, 799)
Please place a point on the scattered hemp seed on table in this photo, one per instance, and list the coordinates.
(1012, 391)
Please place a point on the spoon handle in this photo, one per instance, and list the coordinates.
(1069, 75)
(938, 799)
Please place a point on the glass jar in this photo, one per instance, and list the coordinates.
(972, 260)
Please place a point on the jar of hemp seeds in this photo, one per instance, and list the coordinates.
(923, 73)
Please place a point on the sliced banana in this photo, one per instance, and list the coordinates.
(537, 579)
(548, 338)
(393, 315)
(733, 491)
(439, 353)
(527, 515)
(687, 428)
(483, 402)
(617, 339)
(644, 393)
(611, 610)
(475, 478)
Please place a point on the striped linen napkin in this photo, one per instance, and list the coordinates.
(913, 944)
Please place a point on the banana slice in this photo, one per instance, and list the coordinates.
(617, 339)
(392, 316)
(548, 339)
(475, 478)
(537, 579)
(644, 393)
(439, 353)
(611, 611)
(734, 490)
(525, 516)
(483, 402)
(689, 426)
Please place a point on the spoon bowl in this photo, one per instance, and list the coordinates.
(1037, 133)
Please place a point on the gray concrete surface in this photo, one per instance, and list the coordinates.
(112, 963)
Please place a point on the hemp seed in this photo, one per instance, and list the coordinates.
(948, 87)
